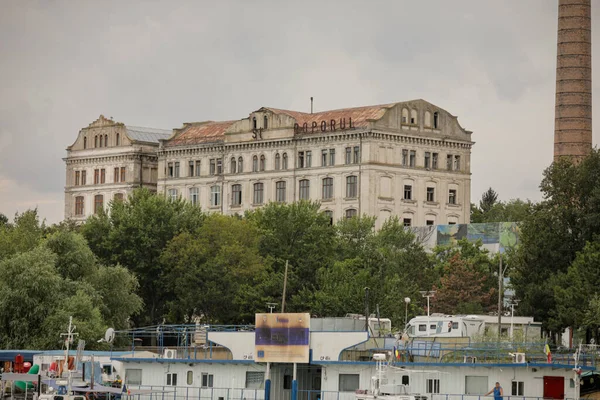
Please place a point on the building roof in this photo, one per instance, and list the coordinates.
(201, 132)
(359, 115)
(149, 135)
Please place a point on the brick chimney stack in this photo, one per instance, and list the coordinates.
(573, 112)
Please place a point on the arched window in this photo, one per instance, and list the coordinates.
(327, 188)
(118, 140)
(427, 121)
(284, 161)
(277, 162)
(304, 189)
(85, 142)
(118, 197)
(101, 140)
(79, 205)
(405, 115)
(262, 162)
(413, 117)
(254, 164)
(96, 141)
(329, 215)
(351, 186)
(351, 213)
(98, 203)
(436, 118)
(233, 165)
(105, 140)
(240, 165)
(253, 122)
(280, 191)
(265, 122)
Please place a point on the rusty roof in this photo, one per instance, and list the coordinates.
(202, 132)
(360, 115)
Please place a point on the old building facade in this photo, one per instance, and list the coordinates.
(409, 159)
(106, 162)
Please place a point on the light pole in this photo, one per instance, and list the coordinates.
(406, 302)
(428, 294)
(513, 303)
(271, 306)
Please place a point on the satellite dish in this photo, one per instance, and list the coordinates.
(109, 336)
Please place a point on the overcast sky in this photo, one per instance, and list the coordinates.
(162, 63)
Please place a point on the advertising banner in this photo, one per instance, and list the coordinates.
(282, 338)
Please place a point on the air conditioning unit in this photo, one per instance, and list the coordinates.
(170, 354)
(519, 358)
(470, 360)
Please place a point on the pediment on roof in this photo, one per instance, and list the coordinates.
(102, 121)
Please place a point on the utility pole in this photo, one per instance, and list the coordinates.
(367, 309)
(500, 275)
(284, 287)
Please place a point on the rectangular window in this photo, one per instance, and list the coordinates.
(177, 169)
(434, 161)
(304, 189)
(331, 157)
(96, 176)
(308, 159)
(287, 382)
(171, 379)
(427, 161)
(433, 386)
(215, 196)
(79, 205)
(280, 191)
(213, 166)
(518, 388)
(327, 188)
(102, 175)
(98, 203)
(407, 192)
(170, 170)
(449, 162)
(351, 213)
(348, 382)
(300, 159)
(476, 384)
(413, 158)
(77, 178)
(207, 380)
(356, 154)
(351, 187)
(404, 157)
(457, 163)
(323, 158)
(133, 376)
(348, 155)
(194, 195)
(83, 177)
(197, 167)
(219, 166)
(430, 194)
(190, 378)
(172, 194)
(236, 195)
(258, 197)
(255, 380)
(422, 328)
(123, 174)
(191, 169)
(452, 196)
(430, 222)
(407, 222)
(116, 175)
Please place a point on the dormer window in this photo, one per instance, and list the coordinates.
(105, 140)
(265, 122)
(85, 142)
(118, 140)
(253, 122)
(436, 118)
(96, 141)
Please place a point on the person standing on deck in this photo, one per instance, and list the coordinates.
(498, 392)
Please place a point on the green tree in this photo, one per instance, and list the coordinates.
(488, 199)
(300, 234)
(134, 233)
(3, 220)
(22, 235)
(75, 260)
(30, 290)
(557, 229)
(207, 270)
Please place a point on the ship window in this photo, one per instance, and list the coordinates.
(433, 327)
(455, 325)
(405, 380)
(133, 376)
(518, 388)
(171, 379)
(422, 328)
(349, 382)
(433, 386)
(190, 377)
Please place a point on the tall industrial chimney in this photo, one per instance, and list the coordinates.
(573, 112)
